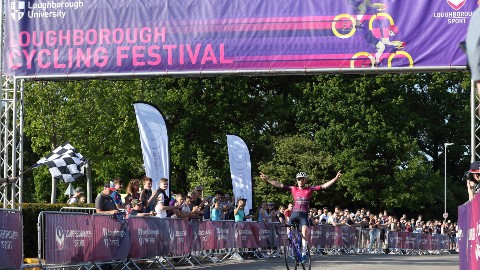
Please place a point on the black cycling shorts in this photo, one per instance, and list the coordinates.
(300, 218)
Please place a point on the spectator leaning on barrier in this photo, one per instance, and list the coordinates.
(473, 47)
(281, 215)
(132, 192)
(288, 212)
(207, 208)
(104, 203)
(272, 212)
(137, 209)
(217, 213)
(76, 197)
(147, 196)
(239, 211)
(262, 213)
(117, 198)
(162, 206)
(181, 210)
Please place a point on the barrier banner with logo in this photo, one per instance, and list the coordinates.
(111, 238)
(68, 238)
(281, 235)
(203, 235)
(318, 236)
(224, 234)
(469, 230)
(179, 234)
(464, 252)
(417, 241)
(147, 239)
(245, 233)
(141, 38)
(11, 239)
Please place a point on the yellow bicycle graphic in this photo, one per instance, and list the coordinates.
(343, 25)
(396, 58)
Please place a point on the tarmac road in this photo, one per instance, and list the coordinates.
(335, 262)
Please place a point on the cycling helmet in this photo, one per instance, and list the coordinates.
(301, 175)
(394, 29)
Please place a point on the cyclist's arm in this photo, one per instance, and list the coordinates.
(270, 181)
(331, 182)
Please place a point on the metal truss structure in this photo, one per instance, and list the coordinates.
(11, 143)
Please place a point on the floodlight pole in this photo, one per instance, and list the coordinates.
(445, 149)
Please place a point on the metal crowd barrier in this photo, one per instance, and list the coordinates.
(80, 240)
(88, 210)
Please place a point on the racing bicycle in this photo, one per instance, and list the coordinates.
(292, 248)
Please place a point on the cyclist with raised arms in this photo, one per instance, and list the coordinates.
(301, 198)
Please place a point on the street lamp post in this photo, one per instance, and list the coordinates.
(445, 148)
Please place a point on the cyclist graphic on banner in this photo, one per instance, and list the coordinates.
(379, 37)
(360, 8)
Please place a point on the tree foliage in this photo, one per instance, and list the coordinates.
(385, 132)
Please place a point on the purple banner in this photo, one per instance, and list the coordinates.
(203, 235)
(111, 238)
(79, 38)
(179, 234)
(418, 241)
(11, 239)
(147, 239)
(68, 238)
(224, 234)
(469, 230)
(462, 236)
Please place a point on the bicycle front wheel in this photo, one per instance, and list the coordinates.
(290, 254)
(307, 264)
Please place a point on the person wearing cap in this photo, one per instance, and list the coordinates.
(104, 203)
(473, 47)
(473, 180)
(137, 209)
(75, 198)
(301, 198)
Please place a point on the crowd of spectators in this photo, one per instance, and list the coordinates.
(221, 206)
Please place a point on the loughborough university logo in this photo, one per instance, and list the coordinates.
(17, 9)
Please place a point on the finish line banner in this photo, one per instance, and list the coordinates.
(77, 38)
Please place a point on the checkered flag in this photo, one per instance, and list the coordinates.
(64, 163)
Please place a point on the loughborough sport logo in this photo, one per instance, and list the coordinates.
(60, 237)
(17, 9)
(456, 4)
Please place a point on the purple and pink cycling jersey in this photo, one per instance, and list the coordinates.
(301, 196)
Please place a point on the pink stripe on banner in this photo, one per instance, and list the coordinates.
(259, 24)
(294, 57)
(328, 19)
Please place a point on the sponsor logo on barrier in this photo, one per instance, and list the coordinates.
(222, 233)
(179, 235)
(204, 235)
(147, 236)
(332, 235)
(110, 238)
(60, 238)
(263, 234)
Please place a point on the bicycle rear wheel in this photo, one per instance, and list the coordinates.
(307, 264)
(290, 254)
